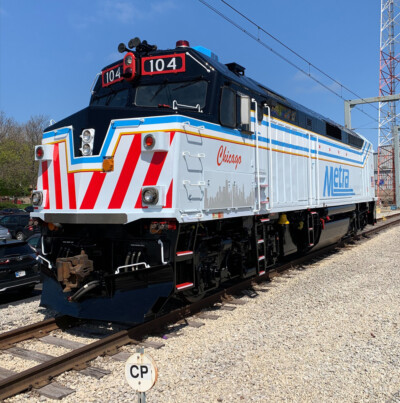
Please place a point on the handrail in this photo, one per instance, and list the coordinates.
(93, 84)
(146, 266)
(160, 242)
(309, 171)
(187, 154)
(45, 260)
(269, 137)
(257, 157)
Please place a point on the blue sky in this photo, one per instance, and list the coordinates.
(50, 51)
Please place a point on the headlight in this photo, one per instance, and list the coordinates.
(128, 60)
(37, 198)
(150, 196)
(86, 136)
(86, 149)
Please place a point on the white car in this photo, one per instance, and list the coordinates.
(4, 233)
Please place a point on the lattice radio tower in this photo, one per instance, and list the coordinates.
(388, 80)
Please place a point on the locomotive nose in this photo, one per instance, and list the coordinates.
(90, 127)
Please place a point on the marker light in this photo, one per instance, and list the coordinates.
(150, 196)
(39, 153)
(86, 136)
(108, 164)
(86, 149)
(149, 141)
(182, 44)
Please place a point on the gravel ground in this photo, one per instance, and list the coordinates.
(330, 333)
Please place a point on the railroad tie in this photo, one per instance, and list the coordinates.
(55, 390)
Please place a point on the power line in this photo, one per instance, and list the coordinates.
(308, 74)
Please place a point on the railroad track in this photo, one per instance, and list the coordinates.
(79, 357)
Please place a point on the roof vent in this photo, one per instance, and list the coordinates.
(236, 68)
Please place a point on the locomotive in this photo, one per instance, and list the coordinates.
(183, 174)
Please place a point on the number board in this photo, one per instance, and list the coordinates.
(175, 63)
(112, 75)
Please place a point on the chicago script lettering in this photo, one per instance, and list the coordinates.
(224, 156)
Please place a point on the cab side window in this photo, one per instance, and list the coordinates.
(227, 108)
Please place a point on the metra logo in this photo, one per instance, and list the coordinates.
(224, 156)
(336, 182)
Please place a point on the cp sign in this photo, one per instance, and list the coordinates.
(140, 372)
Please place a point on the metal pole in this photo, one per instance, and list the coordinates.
(396, 165)
(141, 397)
(347, 114)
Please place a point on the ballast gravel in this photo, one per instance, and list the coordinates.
(329, 333)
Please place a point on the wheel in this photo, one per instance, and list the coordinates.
(20, 236)
(192, 296)
(195, 294)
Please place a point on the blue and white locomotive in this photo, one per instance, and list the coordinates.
(183, 174)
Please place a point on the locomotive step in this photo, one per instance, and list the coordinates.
(184, 255)
(184, 286)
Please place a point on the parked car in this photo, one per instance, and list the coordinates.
(15, 224)
(29, 209)
(19, 269)
(4, 233)
(35, 242)
(31, 228)
(8, 211)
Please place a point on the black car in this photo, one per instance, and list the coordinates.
(15, 224)
(29, 209)
(35, 242)
(19, 269)
(8, 211)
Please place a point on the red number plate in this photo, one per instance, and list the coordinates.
(112, 75)
(175, 63)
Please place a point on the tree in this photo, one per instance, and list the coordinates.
(18, 168)
(33, 131)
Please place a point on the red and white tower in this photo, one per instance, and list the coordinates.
(388, 111)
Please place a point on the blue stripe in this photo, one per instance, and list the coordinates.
(292, 146)
(314, 138)
(209, 126)
(343, 194)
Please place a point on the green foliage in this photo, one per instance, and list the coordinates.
(12, 205)
(18, 169)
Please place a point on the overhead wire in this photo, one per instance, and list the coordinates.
(308, 74)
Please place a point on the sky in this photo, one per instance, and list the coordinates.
(51, 51)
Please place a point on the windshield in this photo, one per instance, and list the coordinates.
(118, 99)
(190, 93)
